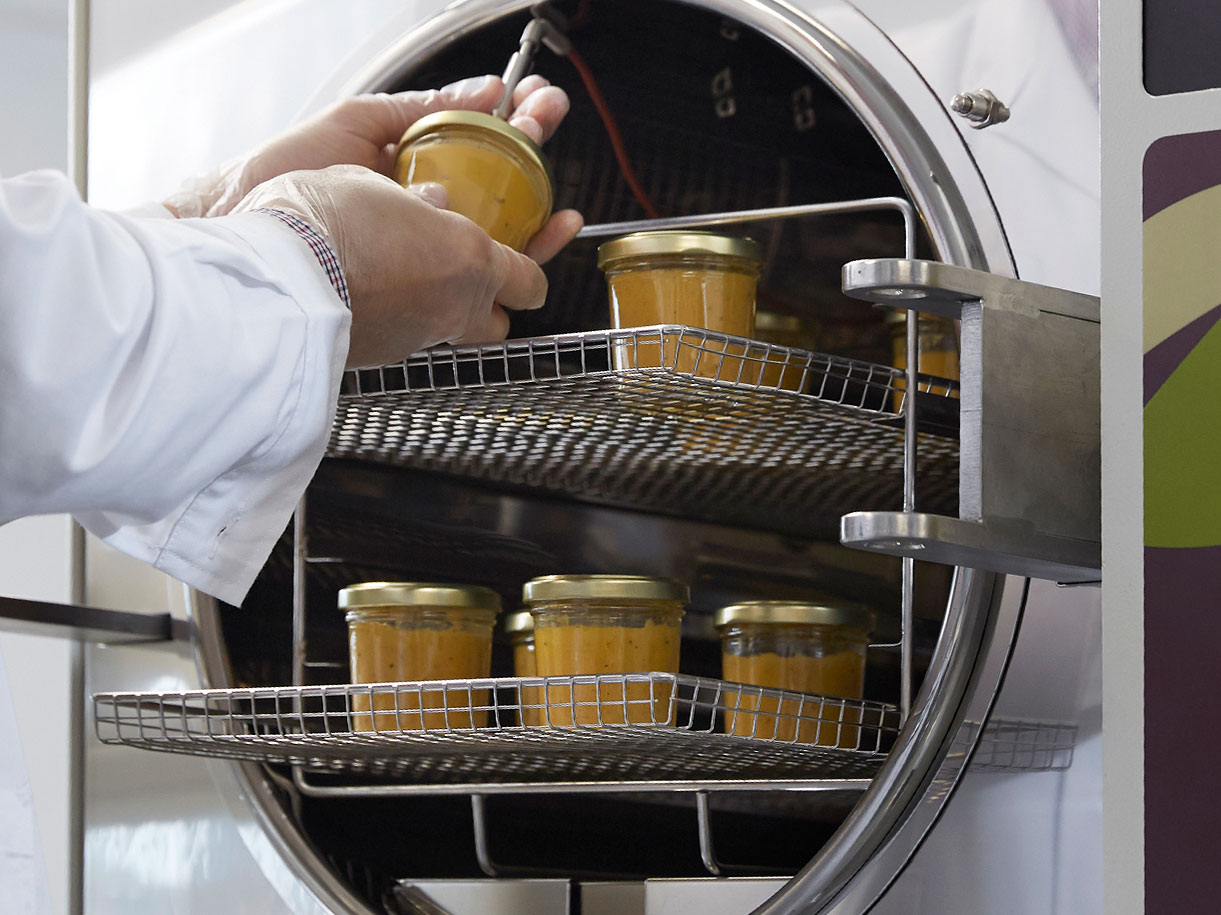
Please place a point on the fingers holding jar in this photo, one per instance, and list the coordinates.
(538, 108)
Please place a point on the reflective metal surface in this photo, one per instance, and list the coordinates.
(175, 835)
(1027, 840)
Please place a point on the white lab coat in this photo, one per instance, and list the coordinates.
(171, 383)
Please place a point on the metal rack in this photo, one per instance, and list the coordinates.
(637, 732)
(714, 430)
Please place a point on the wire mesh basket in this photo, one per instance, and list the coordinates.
(622, 728)
(692, 423)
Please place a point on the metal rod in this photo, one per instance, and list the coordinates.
(300, 547)
(88, 624)
(707, 853)
(904, 207)
(714, 866)
(603, 787)
(518, 66)
(909, 505)
(78, 169)
(479, 821)
(905, 640)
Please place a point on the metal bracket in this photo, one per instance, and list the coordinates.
(1030, 463)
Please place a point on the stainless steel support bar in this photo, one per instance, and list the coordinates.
(608, 787)
(89, 624)
(712, 864)
(732, 217)
(300, 634)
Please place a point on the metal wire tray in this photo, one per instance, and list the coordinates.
(622, 728)
(713, 429)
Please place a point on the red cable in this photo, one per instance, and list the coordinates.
(612, 130)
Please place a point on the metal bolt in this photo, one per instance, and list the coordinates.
(980, 107)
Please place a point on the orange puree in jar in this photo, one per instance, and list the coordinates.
(697, 279)
(407, 631)
(799, 647)
(606, 624)
(495, 175)
(520, 629)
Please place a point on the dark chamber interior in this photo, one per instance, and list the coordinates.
(714, 117)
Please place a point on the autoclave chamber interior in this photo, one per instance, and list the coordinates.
(715, 116)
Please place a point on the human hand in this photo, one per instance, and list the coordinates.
(417, 274)
(365, 130)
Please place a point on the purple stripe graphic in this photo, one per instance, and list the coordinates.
(1182, 728)
(1163, 359)
(1179, 166)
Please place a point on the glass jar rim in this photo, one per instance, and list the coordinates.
(780, 612)
(593, 587)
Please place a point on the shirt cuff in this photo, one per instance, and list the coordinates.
(325, 254)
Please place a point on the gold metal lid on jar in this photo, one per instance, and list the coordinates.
(685, 242)
(417, 594)
(593, 587)
(776, 612)
(477, 119)
(521, 621)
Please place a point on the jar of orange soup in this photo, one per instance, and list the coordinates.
(803, 647)
(495, 175)
(519, 627)
(401, 631)
(938, 350)
(606, 624)
(788, 331)
(698, 279)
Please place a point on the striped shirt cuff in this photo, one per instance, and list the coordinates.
(321, 248)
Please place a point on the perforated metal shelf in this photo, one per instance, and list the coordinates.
(715, 428)
(630, 730)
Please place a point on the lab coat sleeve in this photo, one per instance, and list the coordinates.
(171, 383)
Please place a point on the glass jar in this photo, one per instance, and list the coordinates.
(495, 175)
(805, 647)
(790, 331)
(520, 629)
(606, 624)
(418, 631)
(698, 279)
(938, 350)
